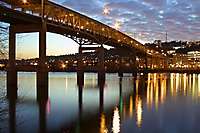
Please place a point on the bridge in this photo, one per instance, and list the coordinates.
(43, 16)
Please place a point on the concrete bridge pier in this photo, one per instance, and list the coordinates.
(120, 74)
(165, 62)
(120, 70)
(80, 98)
(134, 85)
(142, 84)
(11, 68)
(101, 66)
(120, 96)
(80, 71)
(157, 62)
(42, 72)
(134, 65)
(146, 62)
(42, 85)
(101, 97)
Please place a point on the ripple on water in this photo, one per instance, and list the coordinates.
(3, 103)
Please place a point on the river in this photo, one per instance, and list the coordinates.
(148, 103)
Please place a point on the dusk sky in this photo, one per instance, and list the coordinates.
(146, 20)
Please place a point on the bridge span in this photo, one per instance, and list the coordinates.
(43, 16)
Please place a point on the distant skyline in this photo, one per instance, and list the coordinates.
(28, 45)
(145, 20)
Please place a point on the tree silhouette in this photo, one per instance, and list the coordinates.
(3, 40)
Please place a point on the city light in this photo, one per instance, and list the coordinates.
(109, 75)
(106, 10)
(117, 25)
(63, 65)
(24, 1)
(2, 65)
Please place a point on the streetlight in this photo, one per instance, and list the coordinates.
(24, 1)
(63, 66)
(106, 11)
(117, 25)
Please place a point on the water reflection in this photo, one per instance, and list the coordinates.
(42, 116)
(131, 106)
(138, 106)
(12, 116)
(103, 128)
(146, 102)
(116, 121)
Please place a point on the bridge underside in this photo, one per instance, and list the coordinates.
(42, 69)
(21, 22)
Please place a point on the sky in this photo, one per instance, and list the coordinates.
(145, 20)
(27, 45)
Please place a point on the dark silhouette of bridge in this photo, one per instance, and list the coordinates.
(43, 16)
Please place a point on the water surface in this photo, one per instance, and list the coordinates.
(152, 103)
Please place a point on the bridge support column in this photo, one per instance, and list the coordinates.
(152, 62)
(80, 71)
(120, 71)
(120, 96)
(146, 62)
(11, 69)
(42, 73)
(101, 67)
(158, 63)
(101, 98)
(120, 74)
(134, 66)
(134, 85)
(80, 98)
(165, 63)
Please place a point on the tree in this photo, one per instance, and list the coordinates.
(3, 40)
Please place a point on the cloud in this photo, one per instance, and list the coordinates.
(180, 18)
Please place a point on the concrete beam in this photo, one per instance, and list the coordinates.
(22, 28)
(11, 70)
(80, 69)
(42, 73)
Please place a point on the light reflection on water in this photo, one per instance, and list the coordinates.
(116, 121)
(103, 128)
(148, 103)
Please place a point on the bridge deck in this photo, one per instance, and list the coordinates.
(69, 23)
